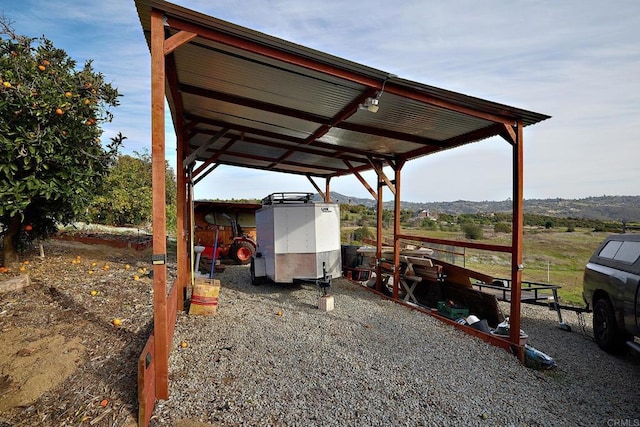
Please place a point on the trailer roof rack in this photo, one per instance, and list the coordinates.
(288, 198)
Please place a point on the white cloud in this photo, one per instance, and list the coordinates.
(575, 60)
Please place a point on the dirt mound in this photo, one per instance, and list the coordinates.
(36, 361)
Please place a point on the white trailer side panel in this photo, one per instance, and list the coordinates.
(297, 240)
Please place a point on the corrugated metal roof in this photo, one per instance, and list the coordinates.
(293, 109)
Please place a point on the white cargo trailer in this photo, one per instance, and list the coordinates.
(298, 239)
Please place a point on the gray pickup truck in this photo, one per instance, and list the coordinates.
(611, 286)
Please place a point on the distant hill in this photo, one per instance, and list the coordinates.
(606, 208)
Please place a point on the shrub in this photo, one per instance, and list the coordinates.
(362, 233)
(428, 224)
(472, 231)
(502, 227)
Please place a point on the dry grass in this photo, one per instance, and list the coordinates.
(550, 256)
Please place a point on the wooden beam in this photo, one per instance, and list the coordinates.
(509, 134)
(396, 232)
(324, 197)
(462, 244)
(201, 177)
(327, 190)
(146, 382)
(346, 112)
(160, 325)
(287, 138)
(183, 218)
(476, 135)
(517, 237)
(177, 40)
(194, 155)
(379, 209)
(362, 180)
(378, 168)
(215, 157)
(322, 67)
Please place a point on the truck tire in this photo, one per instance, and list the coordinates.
(605, 327)
(242, 252)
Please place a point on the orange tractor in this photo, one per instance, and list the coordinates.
(217, 225)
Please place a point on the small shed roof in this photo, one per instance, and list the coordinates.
(248, 99)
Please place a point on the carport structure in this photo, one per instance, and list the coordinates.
(242, 98)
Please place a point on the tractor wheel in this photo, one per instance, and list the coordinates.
(241, 252)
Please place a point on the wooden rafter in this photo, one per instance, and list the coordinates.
(287, 138)
(201, 149)
(322, 193)
(377, 166)
(177, 40)
(214, 157)
(311, 64)
(363, 181)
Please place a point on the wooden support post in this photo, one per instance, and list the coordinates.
(516, 239)
(327, 190)
(379, 230)
(396, 232)
(182, 219)
(160, 325)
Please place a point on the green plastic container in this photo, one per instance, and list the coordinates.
(450, 312)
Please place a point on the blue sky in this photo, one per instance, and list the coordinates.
(576, 60)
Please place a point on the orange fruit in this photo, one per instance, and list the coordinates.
(59, 111)
(46, 62)
(68, 94)
(104, 402)
(136, 278)
(116, 322)
(183, 344)
(28, 227)
(41, 67)
(6, 84)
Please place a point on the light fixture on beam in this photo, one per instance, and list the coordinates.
(370, 104)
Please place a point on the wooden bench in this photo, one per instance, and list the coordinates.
(418, 270)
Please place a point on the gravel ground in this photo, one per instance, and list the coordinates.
(271, 357)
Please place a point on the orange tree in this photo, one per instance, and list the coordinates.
(51, 156)
(126, 194)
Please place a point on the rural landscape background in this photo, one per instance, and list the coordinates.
(559, 236)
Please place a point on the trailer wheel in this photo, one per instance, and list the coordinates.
(255, 281)
(242, 252)
(605, 328)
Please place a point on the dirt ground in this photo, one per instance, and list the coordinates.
(62, 359)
